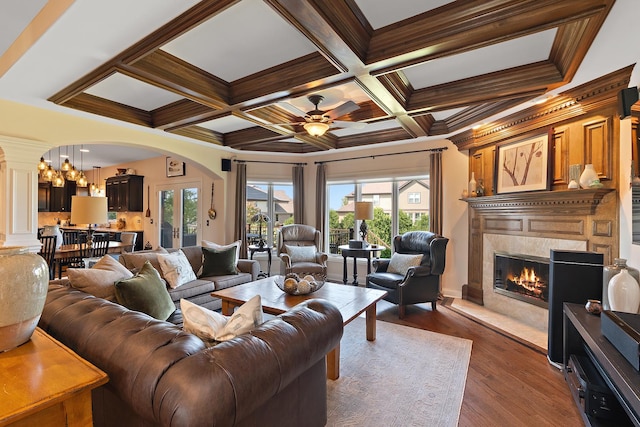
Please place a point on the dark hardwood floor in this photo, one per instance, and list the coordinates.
(508, 383)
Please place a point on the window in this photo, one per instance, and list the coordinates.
(275, 202)
(398, 208)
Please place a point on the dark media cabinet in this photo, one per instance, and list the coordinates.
(583, 338)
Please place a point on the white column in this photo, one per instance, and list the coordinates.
(19, 191)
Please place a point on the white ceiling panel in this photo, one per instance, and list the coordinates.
(15, 16)
(381, 13)
(266, 41)
(227, 124)
(369, 127)
(521, 51)
(132, 92)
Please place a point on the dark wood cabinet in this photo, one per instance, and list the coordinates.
(55, 199)
(124, 193)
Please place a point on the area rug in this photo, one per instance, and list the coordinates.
(406, 377)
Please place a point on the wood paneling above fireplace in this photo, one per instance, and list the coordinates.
(584, 127)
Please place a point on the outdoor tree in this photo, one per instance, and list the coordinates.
(349, 220)
(405, 223)
(380, 226)
(334, 220)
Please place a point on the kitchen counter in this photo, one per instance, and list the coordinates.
(101, 229)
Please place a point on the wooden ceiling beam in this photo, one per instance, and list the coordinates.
(115, 110)
(304, 72)
(459, 27)
(201, 134)
(377, 137)
(182, 113)
(513, 83)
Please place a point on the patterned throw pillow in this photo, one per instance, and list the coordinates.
(212, 327)
(400, 263)
(176, 268)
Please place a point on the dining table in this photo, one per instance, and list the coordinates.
(67, 251)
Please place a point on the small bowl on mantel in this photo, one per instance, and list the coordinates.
(300, 283)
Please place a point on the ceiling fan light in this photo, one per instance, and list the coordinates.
(316, 128)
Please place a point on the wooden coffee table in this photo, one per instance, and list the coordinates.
(352, 301)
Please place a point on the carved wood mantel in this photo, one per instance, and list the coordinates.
(569, 202)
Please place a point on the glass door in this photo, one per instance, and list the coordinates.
(179, 216)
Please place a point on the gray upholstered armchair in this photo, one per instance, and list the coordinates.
(298, 249)
(412, 275)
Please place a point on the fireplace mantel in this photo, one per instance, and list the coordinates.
(562, 202)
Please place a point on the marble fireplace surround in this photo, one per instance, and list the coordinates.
(529, 314)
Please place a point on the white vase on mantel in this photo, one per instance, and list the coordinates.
(624, 292)
(472, 185)
(588, 176)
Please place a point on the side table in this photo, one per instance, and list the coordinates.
(256, 248)
(44, 384)
(355, 254)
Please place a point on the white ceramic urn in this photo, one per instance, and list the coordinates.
(24, 280)
(624, 292)
(588, 176)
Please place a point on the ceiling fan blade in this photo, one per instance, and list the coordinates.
(345, 124)
(284, 124)
(343, 109)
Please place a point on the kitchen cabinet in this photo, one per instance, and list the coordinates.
(124, 193)
(55, 199)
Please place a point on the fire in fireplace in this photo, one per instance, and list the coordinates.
(522, 277)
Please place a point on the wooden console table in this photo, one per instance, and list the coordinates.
(582, 336)
(44, 383)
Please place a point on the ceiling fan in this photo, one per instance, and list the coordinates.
(317, 122)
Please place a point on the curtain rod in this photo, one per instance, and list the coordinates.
(373, 156)
(264, 161)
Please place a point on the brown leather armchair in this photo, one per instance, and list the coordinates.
(420, 283)
(298, 249)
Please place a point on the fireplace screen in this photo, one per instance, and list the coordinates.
(522, 277)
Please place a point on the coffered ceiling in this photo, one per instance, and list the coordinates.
(239, 73)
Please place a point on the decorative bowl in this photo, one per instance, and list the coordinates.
(300, 283)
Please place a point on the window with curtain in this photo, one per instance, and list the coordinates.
(275, 202)
(400, 205)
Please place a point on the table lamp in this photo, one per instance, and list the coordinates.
(88, 210)
(260, 218)
(363, 212)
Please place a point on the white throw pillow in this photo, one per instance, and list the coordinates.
(302, 253)
(400, 263)
(176, 268)
(99, 280)
(236, 244)
(211, 326)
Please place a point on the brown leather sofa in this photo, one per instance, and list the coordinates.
(160, 375)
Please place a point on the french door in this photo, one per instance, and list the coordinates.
(179, 207)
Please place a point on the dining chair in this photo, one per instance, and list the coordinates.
(69, 237)
(48, 252)
(100, 245)
(128, 238)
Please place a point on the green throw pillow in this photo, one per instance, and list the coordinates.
(219, 262)
(146, 292)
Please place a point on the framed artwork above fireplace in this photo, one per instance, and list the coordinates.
(523, 165)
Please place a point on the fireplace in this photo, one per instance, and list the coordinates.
(523, 277)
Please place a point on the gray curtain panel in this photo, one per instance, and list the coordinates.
(435, 193)
(298, 194)
(241, 207)
(321, 201)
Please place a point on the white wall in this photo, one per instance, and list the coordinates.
(628, 250)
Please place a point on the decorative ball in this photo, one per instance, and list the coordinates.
(294, 285)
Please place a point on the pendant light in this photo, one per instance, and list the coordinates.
(42, 165)
(82, 179)
(72, 174)
(48, 173)
(66, 166)
(58, 179)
